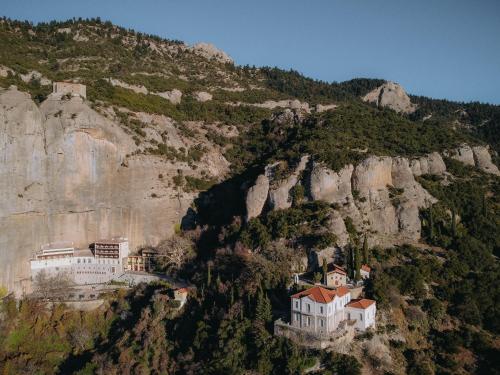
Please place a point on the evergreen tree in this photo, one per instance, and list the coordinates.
(263, 312)
(209, 274)
(431, 225)
(325, 271)
(453, 223)
(366, 255)
(357, 264)
(348, 263)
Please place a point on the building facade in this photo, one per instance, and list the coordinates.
(335, 276)
(320, 310)
(363, 311)
(82, 266)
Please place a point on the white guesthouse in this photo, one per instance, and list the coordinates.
(320, 310)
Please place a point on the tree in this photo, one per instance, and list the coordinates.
(357, 264)
(431, 225)
(325, 271)
(263, 312)
(174, 252)
(366, 255)
(453, 223)
(46, 284)
(209, 273)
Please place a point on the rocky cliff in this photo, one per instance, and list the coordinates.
(380, 195)
(391, 95)
(70, 173)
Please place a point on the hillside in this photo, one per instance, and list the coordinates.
(254, 171)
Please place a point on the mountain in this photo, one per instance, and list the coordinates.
(260, 173)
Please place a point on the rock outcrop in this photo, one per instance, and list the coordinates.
(463, 154)
(202, 96)
(483, 161)
(173, 96)
(210, 51)
(391, 95)
(69, 173)
(257, 196)
(279, 192)
(325, 107)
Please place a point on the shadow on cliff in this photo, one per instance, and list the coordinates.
(218, 207)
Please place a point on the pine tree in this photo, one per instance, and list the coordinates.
(349, 261)
(263, 312)
(357, 265)
(209, 274)
(325, 271)
(431, 225)
(453, 223)
(366, 255)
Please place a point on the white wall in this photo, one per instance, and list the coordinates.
(364, 318)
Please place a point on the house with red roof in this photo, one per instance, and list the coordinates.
(321, 310)
(335, 276)
(363, 312)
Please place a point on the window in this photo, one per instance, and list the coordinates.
(308, 308)
(348, 316)
(321, 309)
(322, 322)
(361, 317)
(308, 321)
(78, 260)
(296, 304)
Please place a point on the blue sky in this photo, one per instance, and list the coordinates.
(438, 48)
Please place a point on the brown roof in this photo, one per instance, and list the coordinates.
(333, 268)
(322, 295)
(360, 303)
(366, 268)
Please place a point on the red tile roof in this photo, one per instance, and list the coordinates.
(333, 268)
(366, 268)
(322, 295)
(360, 303)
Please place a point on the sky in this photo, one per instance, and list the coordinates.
(437, 48)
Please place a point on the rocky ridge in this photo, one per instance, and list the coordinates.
(380, 194)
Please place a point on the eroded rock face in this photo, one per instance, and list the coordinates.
(65, 175)
(391, 95)
(257, 196)
(483, 161)
(329, 186)
(463, 154)
(429, 164)
(279, 193)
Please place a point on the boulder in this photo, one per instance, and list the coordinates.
(325, 107)
(257, 196)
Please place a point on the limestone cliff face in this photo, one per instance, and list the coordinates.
(66, 174)
(380, 195)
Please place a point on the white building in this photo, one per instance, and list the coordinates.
(336, 276)
(365, 271)
(102, 263)
(320, 310)
(363, 311)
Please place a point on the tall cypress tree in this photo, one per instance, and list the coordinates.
(453, 223)
(431, 225)
(325, 271)
(357, 264)
(366, 255)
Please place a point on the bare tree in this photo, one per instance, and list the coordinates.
(175, 251)
(47, 284)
